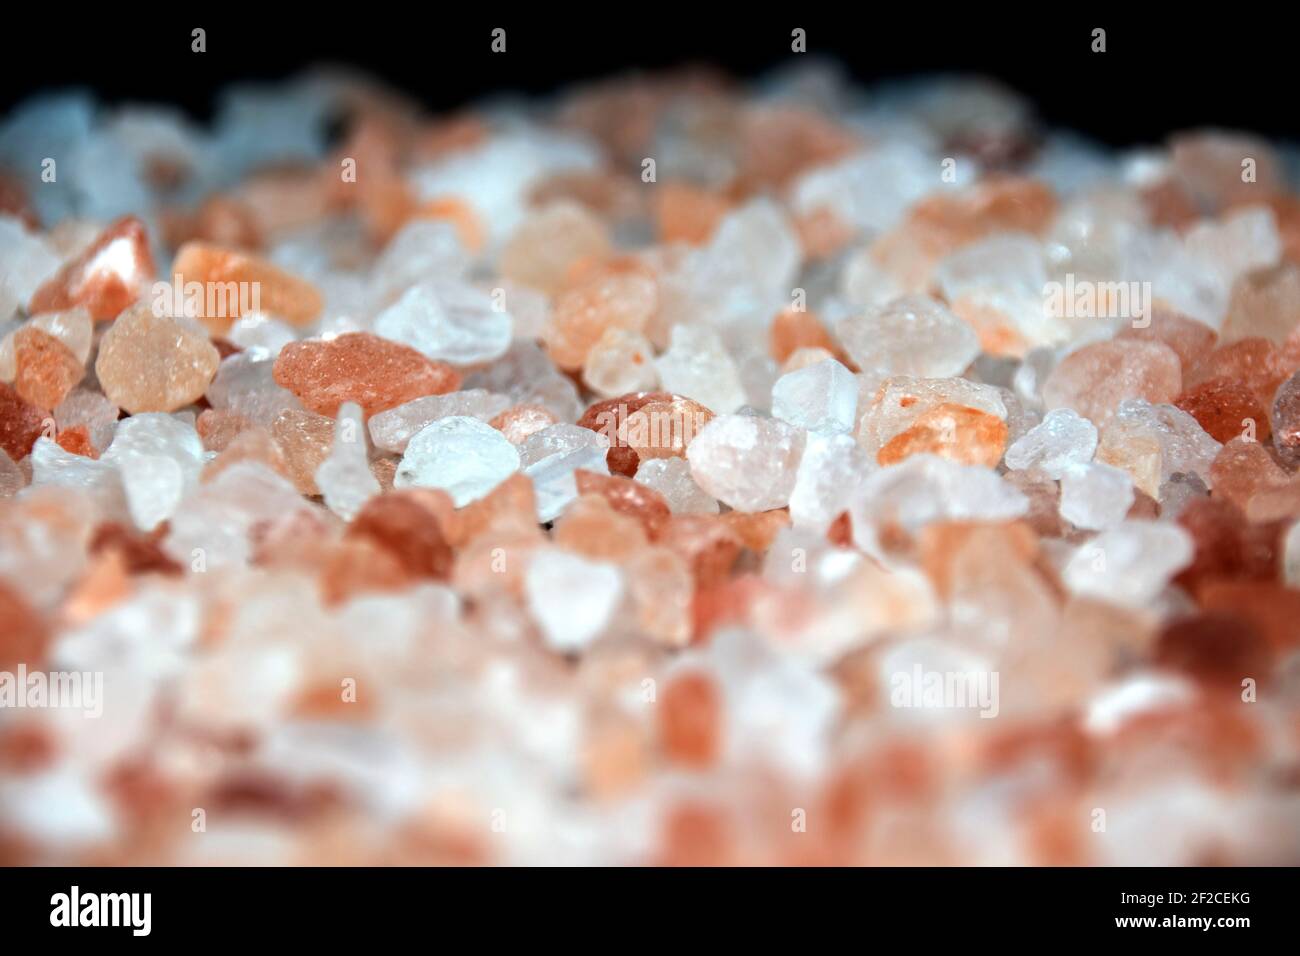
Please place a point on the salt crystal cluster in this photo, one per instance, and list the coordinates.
(884, 458)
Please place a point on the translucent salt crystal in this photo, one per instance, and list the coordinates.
(463, 456)
(820, 398)
(871, 189)
(1291, 557)
(160, 459)
(344, 477)
(571, 599)
(391, 430)
(913, 335)
(1241, 241)
(52, 465)
(1062, 439)
(621, 362)
(1129, 564)
(260, 335)
(26, 263)
(901, 401)
(750, 262)
(1095, 496)
(149, 363)
(829, 472)
(1285, 416)
(698, 366)
(304, 438)
(528, 377)
(448, 320)
(671, 477)
(74, 329)
(213, 528)
(423, 249)
(1153, 442)
(1178, 492)
(1004, 276)
(550, 458)
(866, 284)
(747, 462)
(924, 489)
(245, 384)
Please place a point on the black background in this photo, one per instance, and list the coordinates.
(1167, 68)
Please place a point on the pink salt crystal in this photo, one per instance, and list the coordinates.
(1210, 164)
(21, 423)
(1243, 468)
(581, 316)
(1253, 362)
(402, 523)
(549, 243)
(662, 587)
(590, 526)
(359, 367)
(218, 428)
(46, 370)
(627, 497)
(12, 479)
(1191, 340)
(1096, 378)
(519, 422)
(1264, 304)
(148, 363)
(112, 273)
(305, 440)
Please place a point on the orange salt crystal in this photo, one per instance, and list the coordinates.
(46, 369)
(608, 418)
(581, 315)
(24, 638)
(689, 720)
(77, 441)
(1252, 362)
(223, 220)
(405, 526)
(1225, 409)
(793, 330)
(605, 194)
(1217, 648)
(942, 542)
(115, 271)
(757, 529)
(591, 527)
(141, 552)
(1227, 546)
(13, 201)
(1094, 379)
(663, 429)
(613, 755)
(510, 506)
(627, 497)
(359, 367)
(822, 234)
(1270, 607)
(686, 213)
(662, 590)
(104, 584)
(1241, 469)
(284, 199)
(956, 432)
(548, 243)
(359, 566)
(148, 363)
(21, 423)
(235, 283)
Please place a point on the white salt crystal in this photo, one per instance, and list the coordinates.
(698, 366)
(1062, 439)
(572, 599)
(551, 456)
(1130, 564)
(392, 428)
(829, 472)
(344, 477)
(26, 262)
(160, 458)
(1291, 556)
(461, 455)
(671, 477)
(747, 462)
(448, 320)
(1095, 496)
(424, 248)
(261, 336)
(820, 398)
(914, 335)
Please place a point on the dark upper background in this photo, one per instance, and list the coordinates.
(1163, 70)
